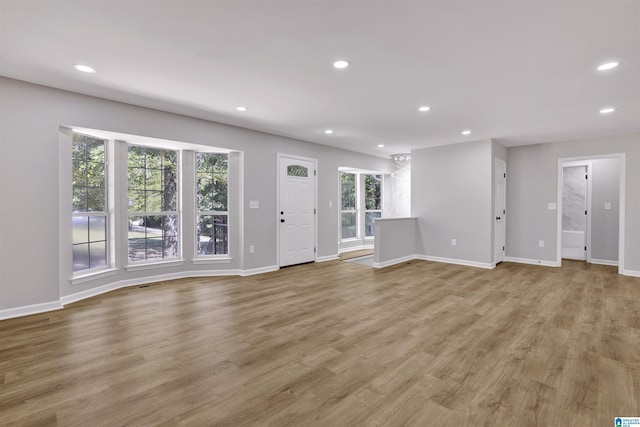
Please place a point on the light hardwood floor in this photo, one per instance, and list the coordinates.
(336, 344)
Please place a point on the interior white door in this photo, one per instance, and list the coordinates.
(297, 209)
(500, 209)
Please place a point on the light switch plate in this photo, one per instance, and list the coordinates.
(552, 206)
(607, 206)
(254, 204)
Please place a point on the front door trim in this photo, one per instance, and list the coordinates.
(315, 202)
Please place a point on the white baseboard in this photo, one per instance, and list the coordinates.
(632, 273)
(327, 258)
(78, 296)
(486, 265)
(604, 262)
(260, 270)
(531, 261)
(27, 310)
(393, 261)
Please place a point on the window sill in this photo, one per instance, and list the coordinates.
(153, 265)
(350, 239)
(87, 277)
(212, 260)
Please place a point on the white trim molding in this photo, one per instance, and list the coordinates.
(328, 258)
(27, 310)
(83, 278)
(89, 293)
(394, 261)
(259, 270)
(486, 265)
(531, 261)
(631, 273)
(604, 262)
(355, 248)
(68, 299)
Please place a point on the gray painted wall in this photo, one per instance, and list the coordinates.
(395, 239)
(604, 223)
(31, 117)
(532, 174)
(452, 197)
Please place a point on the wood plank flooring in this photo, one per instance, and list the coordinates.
(336, 344)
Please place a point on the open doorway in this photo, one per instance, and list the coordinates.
(591, 200)
(576, 210)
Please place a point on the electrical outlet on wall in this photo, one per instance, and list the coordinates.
(453, 242)
(252, 249)
(541, 243)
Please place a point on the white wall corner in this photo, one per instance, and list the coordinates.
(260, 270)
(391, 262)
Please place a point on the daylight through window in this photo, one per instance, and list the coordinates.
(212, 223)
(89, 201)
(349, 207)
(372, 201)
(153, 203)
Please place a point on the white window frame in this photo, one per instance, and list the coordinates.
(105, 213)
(176, 213)
(199, 213)
(364, 203)
(355, 211)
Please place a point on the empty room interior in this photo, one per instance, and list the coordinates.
(282, 213)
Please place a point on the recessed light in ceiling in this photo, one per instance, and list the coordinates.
(328, 131)
(84, 68)
(380, 145)
(608, 66)
(241, 108)
(607, 110)
(466, 132)
(341, 64)
(424, 108)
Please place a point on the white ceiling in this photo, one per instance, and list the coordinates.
(518, 71)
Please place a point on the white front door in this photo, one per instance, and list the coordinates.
(500, 209)
(296, 210)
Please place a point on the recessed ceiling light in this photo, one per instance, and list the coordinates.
(328, 131)
(466, 132)
(608, 66)
(341, 63)
(607, 110)
(424, 108)
(84, 68)
(380, 145)
(241, 108)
